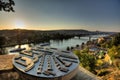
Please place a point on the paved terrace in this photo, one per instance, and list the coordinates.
(6, 65)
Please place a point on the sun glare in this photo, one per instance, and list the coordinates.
(19, 25)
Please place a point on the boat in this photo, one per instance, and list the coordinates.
(18, 50)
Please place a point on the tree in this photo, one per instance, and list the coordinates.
(114, 52)
(7, 6)
(72, 48)
(68, 49)
(82, 45)
(2, 43)
(86, 60)
(77, 46)
(116, 40)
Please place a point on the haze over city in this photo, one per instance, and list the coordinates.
(102, 15)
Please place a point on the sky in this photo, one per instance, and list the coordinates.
(100, 15)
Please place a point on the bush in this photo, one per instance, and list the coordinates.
(77, 45)
(85, 50)
(68, 49)
(114, 52)
(103, 73)
(86, 60)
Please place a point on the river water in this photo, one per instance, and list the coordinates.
(70, 42)
(60, 44)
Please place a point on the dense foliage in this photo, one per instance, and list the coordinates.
(7, 6)
(86, 60)
(116, 40)
(2, 43)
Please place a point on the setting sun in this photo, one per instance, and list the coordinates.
(19, 24)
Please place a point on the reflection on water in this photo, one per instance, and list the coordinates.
(24, 46)
(65, 43)
(27, 46)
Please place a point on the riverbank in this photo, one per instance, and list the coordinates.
(8, 73)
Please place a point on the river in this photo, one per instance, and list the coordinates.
(60, 44)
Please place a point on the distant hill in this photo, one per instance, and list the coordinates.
(72, 31)
(69, 32)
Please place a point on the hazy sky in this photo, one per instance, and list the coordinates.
(103, 15)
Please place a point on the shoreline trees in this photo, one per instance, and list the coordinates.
(2, 43)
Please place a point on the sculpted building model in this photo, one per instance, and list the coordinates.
(46, 64)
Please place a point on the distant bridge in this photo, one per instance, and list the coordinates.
(93, 36)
